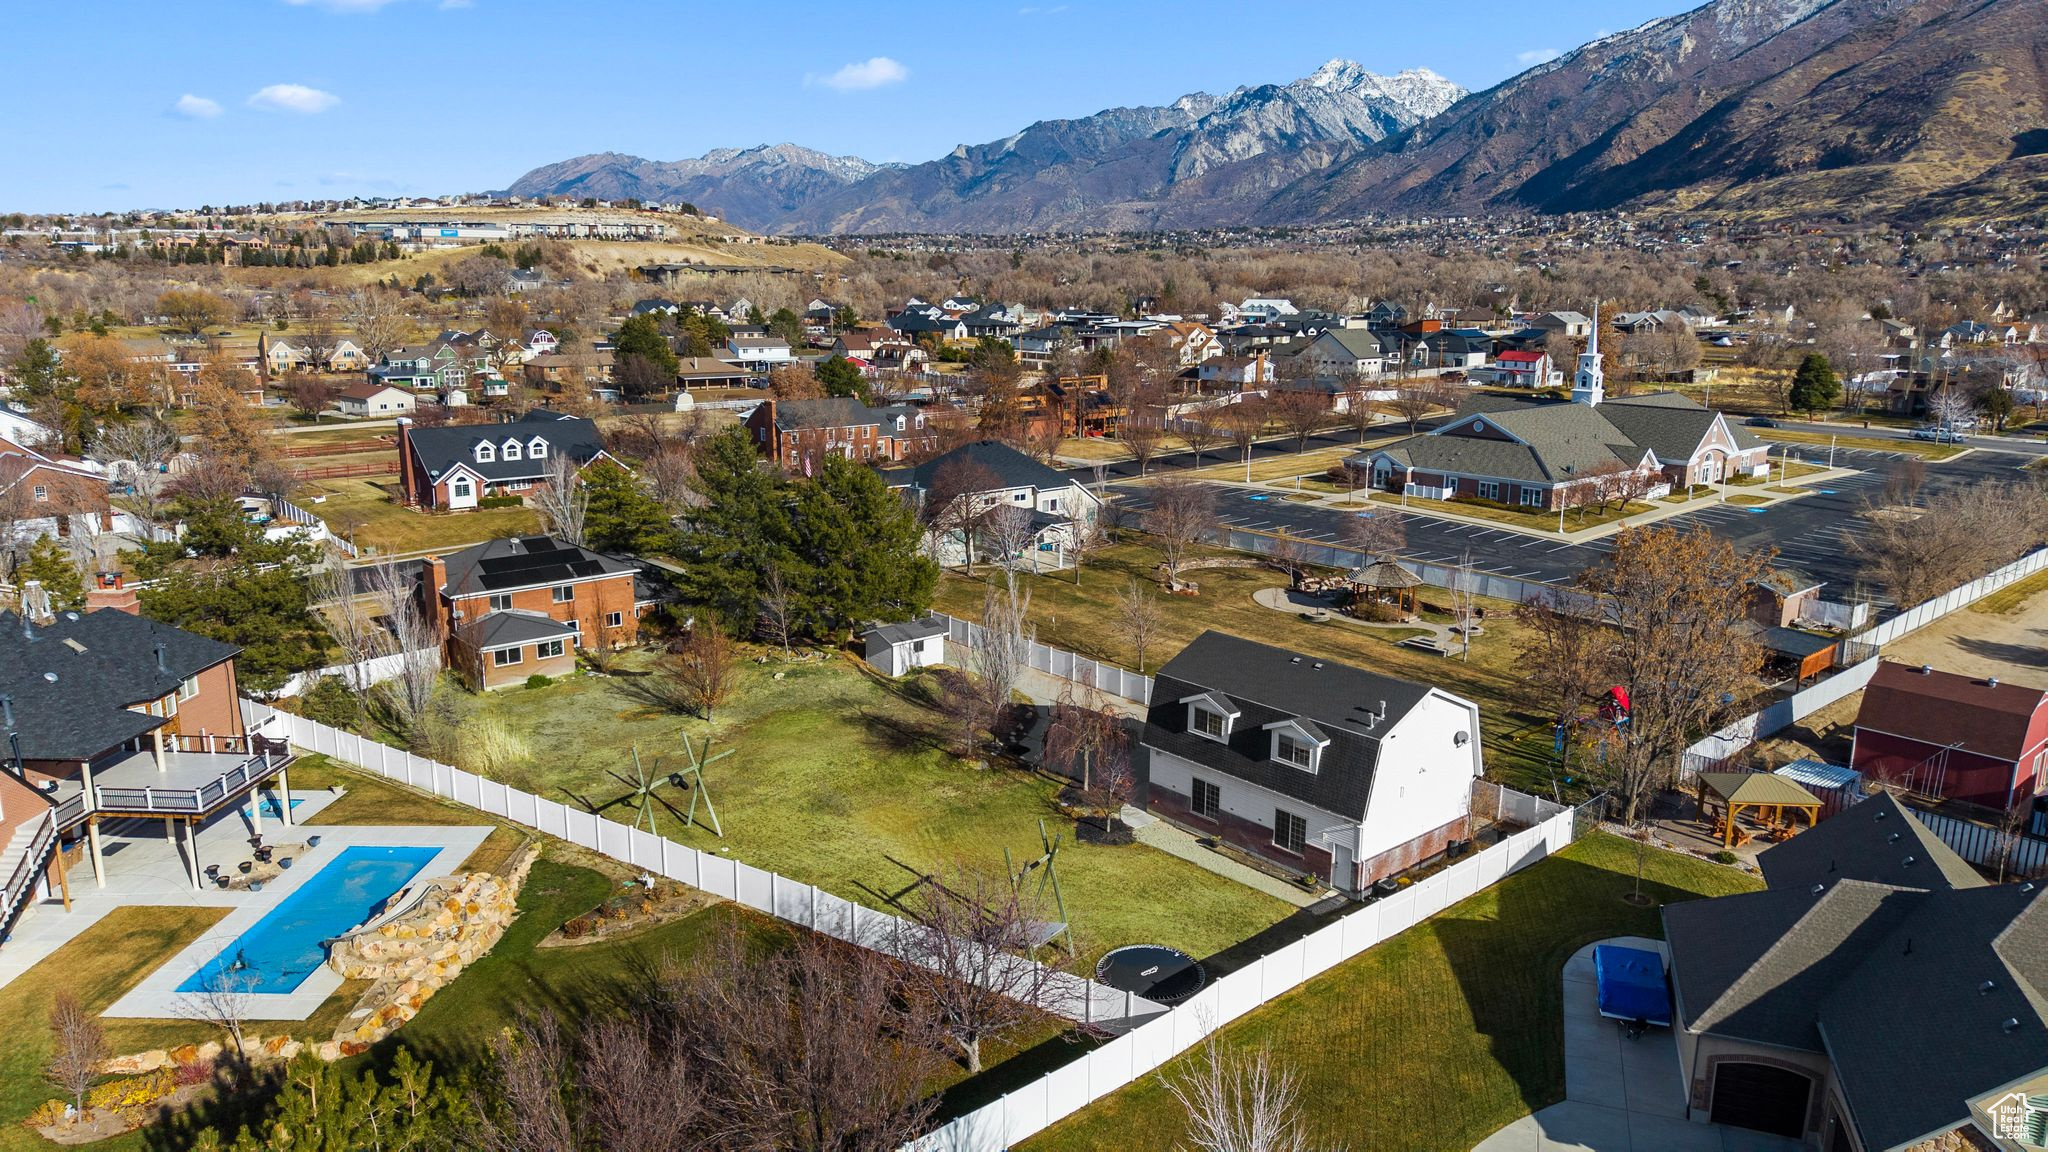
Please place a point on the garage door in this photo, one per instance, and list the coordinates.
(1761, 1097)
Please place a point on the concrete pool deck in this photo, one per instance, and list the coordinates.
(147, 869)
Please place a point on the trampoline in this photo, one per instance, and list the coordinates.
(1632, 985)
(1158, 973)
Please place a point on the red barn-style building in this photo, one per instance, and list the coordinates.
(1978, 741)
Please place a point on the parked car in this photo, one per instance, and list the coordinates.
(1939, 435)
(1761, 422)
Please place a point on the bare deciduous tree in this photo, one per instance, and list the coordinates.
(1199, 435)
(1416, 397)
(1302, 412)
(778, 609)
(1010, 539)
(1183, 512)
(224, 1000)
(703, 669)
(962, 943)
(1240, 1103)
(1243, 422)
(376, 319)
(561, 500)
(1374, 535)
(1138, 619)
(78, 1045)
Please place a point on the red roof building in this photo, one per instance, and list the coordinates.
(1950, 736)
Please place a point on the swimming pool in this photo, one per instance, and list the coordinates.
(278, 952)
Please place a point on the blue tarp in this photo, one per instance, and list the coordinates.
(1631, 983)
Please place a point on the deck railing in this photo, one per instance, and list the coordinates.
(187, 801)
(21, 883)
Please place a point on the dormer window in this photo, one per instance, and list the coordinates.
(1210, 716)
(511, 450)
(536, 449)
(1298, 744)
(485, 453)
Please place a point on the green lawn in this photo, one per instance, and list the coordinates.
(2009, 598)
(1443, 1034)
(836, 777)
(1083, 618)
(100, 966)
(369, 506)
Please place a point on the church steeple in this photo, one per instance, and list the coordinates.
(1589, 385)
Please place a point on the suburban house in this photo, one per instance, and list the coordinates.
(1463, 349)
(431, 367)
(1574, 324)
(518, 607)
(106, 716)
(759, 353)
(371, 398)
(1348, 352)
(1951, 736)
(709, 372)
(557, 370)
(44, 493)
(1878, 995)
(1555, 454)
(1525, 368)
(453, 467)
(1781, 597)
(799, 434)
(281, 356)
(984, 476)
(1317, 766)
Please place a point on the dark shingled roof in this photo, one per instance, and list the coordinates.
(510, 626)
(836, 412)
(1011, 468)
(72, 681)
(1878, 840)
(908, 630)
(1266, 684)
(524, 562)
(439, 449)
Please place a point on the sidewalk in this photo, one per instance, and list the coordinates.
(1151, 830)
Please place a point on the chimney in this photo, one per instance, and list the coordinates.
(35, 602)
(162, 665)
(433, 577)
(107, 591)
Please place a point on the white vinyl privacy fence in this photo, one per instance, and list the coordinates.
(812, 907)
(1140, 1052)
(1061, 663)
(375, 670)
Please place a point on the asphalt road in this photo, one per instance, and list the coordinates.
(1810, 533)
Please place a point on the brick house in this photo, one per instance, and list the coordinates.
(453, 467)
(521, 606)
(799, 434)
(1950, 736)
(107, 716)
(45, 492)
(1317, 766)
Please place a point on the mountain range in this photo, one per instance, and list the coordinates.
(1907, 109)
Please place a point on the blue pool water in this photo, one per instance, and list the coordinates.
(271, 809)
(278, 952)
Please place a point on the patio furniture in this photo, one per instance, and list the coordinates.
(1769, 798)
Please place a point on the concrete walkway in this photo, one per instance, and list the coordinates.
(1621, 1095)
(1149, 829)
(1292, 602)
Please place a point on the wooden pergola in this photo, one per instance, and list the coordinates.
(1767, 796)
(1386, 576)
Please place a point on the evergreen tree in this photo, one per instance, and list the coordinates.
(641, 336)
(741, 529)
(319, 1107)
(1814, 386)
(786, 324)
(840, 377)
(622, 515)
(858, 546)
(34, 371)
(50, 563)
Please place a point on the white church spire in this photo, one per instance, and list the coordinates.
(1589, 385)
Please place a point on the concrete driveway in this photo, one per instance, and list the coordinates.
(1621, 1095)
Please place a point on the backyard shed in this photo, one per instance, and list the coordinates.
(899, 648)
(1836, 787)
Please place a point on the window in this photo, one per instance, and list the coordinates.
(1289, 750)
(504, 656)
(1532, 497)
(536, 449)
(189, 688)
(1489, 490)
(460, 489)
(511, 450)
(501, 601)
(485, 453)
(1207, 723)
(547, 648)
(1290, 832)
(564, 593)
(614, 619)
(1208, 799)
(42, 491)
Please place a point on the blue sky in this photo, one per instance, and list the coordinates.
(117, 104)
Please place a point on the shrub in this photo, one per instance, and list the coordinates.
(193, 1072)
(47, 1114)
(1724, 856)
(500, 502)
(577, 927)
(538, 680)
(133, 1091)
(330, 702)
(486, 747)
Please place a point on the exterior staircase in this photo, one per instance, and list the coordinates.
(23, 859)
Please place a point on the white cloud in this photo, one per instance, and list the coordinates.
(196, 107)
(293, 98)
(340, 5)
(878, 72)
(1535, 56)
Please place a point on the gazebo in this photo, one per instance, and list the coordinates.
(1383, 577)
(1766, 795)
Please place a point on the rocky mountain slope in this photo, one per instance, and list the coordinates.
(1768, 108)
(755, 188)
